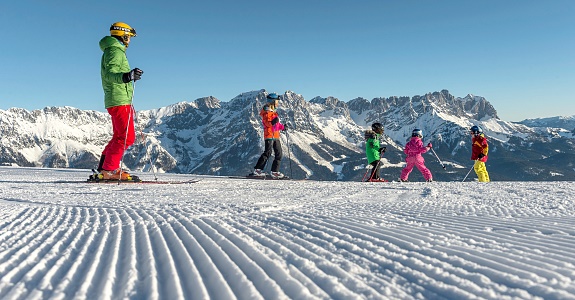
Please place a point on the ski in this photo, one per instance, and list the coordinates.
(94, 178)
(130, 181)
(145, 181)
(267, 177)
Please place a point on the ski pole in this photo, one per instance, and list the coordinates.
(149, 157)
(364, 175)
(437, 158)
(132, 111)
(469, 170)
(289, 154)
(374, 170)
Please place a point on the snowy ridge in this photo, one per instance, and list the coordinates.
(206, 136)
(557, 122)
(563, 126)
(313, 240)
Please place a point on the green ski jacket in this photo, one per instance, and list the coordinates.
(372, 146)
(114, 65)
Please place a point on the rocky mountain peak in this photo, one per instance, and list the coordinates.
(207, 103)
(326, 136)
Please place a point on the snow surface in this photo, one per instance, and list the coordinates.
(227, 238)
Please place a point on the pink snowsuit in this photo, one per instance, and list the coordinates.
(414, 148)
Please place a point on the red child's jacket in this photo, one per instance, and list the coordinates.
(479, 145)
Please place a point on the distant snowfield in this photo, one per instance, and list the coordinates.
(249, 239)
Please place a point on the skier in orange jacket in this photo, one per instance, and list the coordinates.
(272, 128)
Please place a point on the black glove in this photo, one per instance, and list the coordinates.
(429, 145)
(275, 120)
(135, 74)
(382, 149)
(285, 128)
(480, 156)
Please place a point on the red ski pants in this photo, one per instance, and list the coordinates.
(124, 136)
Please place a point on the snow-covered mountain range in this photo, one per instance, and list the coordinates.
(325, 138)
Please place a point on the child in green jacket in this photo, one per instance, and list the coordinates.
(373, 150)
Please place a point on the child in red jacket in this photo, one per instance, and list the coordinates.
(414, 148)
(479, 149)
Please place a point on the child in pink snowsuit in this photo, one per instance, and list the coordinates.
(414, 148)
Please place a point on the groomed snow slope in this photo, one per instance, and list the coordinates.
(249, 239)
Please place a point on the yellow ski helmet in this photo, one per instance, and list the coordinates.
(122, 29)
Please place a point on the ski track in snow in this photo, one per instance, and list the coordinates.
(252, 239)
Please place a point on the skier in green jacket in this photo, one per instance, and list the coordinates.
(118, 88)
(373, 150)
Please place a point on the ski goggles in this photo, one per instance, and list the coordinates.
(129, 31)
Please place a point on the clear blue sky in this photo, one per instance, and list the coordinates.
(519, 54)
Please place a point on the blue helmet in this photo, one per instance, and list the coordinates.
(476, 129)
(417, 133)
(271, 97)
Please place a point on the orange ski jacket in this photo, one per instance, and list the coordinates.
(272, 125)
